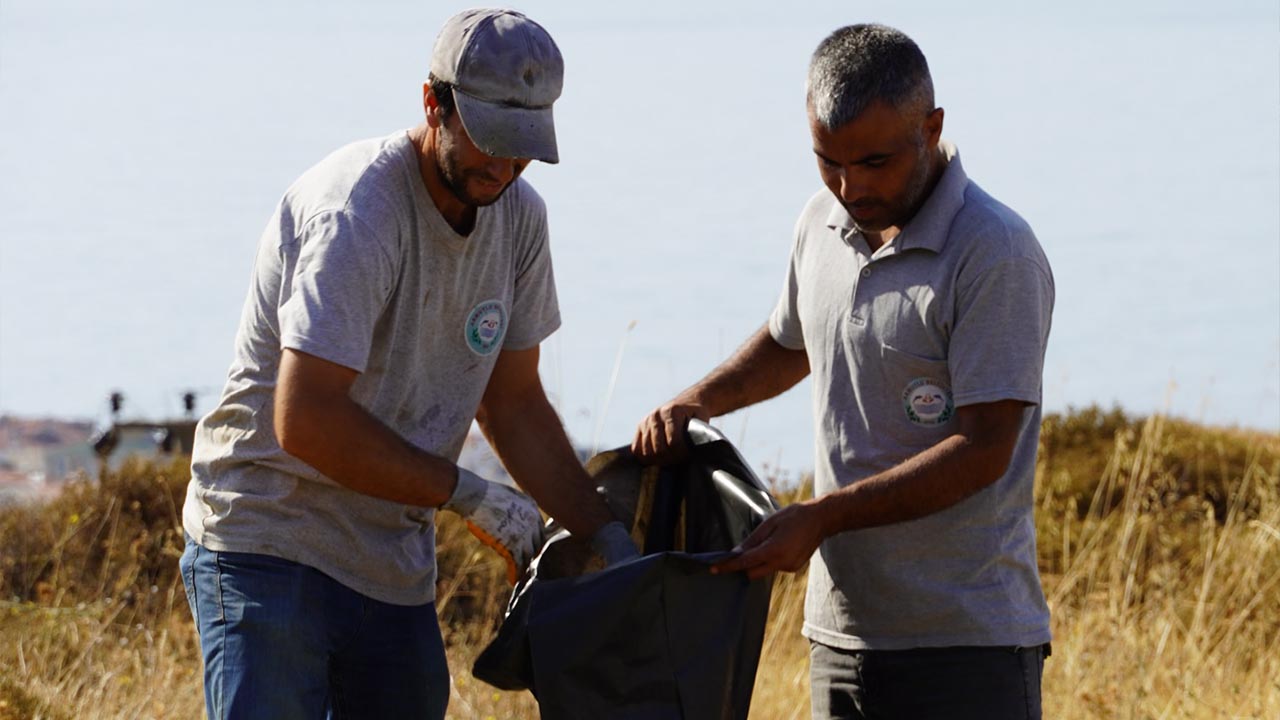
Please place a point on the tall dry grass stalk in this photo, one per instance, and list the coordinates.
(1165, 599)
(1159, 546)
(782, 679)
(93, 617)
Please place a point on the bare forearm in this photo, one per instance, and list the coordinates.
(338, 437)
(759, 370)
(926, 483)
(962, 464)
(529, 438)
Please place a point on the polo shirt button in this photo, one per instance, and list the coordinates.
(866, 272)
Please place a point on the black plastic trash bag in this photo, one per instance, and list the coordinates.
(656, 637)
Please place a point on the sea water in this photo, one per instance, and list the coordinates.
(144, 144)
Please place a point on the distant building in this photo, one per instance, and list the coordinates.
(38, 454)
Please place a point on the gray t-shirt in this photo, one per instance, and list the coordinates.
(954, 311)
(358, 267)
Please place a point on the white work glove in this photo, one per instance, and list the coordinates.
(614, 544)
(501, 517)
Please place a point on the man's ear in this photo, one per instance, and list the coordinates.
(430, 106)
(933, 126)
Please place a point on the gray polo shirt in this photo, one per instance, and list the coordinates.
(358, 267)
(954, 311)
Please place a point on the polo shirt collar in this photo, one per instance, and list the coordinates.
(929, 228)
(839, 218)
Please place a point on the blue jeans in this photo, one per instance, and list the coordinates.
(282, 640)
(987, 683)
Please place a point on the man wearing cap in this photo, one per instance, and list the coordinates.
(401, 290)
(921, 308)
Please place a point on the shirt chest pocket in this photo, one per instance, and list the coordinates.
(917, 407)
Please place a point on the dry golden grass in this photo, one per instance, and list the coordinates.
(1165, 586)
(93, 621)
(1159, 545)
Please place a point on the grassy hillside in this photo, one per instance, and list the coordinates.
(1159, 546)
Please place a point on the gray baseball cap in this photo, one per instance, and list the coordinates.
(506, 71)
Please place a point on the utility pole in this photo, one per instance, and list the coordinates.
(172, 436)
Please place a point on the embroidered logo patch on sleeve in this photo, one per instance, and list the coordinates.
(485, 327)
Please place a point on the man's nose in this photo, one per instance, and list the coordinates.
(851, 187)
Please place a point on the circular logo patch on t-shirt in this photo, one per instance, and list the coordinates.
(927, 402)
(485, 327)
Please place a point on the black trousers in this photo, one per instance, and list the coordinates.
(990, 683)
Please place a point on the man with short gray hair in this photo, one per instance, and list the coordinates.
(921, 307)
(401, 291)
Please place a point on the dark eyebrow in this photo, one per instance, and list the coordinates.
(873, 157)
(824, 157)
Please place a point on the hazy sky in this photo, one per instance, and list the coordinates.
(144, 144)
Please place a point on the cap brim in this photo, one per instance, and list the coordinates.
(508, 131)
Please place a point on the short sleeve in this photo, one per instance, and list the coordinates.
(1001, 330)
(535, 309)
(784, 322)
(341, 282)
